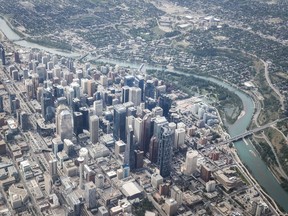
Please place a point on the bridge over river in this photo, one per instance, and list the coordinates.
(249, 133)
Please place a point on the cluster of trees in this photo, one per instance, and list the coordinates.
(142, 207)
(266, 153)
(49, 43)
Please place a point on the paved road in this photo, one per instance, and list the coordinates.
(276, 90)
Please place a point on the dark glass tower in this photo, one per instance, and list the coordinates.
(165, 150)
(129, 157)
(2, 54)
(165, 103)
(85, 113)
(78, 123)
(125, 94)
(139, 82)
(47, 106)
(1, 104)
(129, 80)
(119, 126)
(149, 89)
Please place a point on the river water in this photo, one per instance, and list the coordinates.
(247, 152)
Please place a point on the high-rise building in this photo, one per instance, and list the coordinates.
(2, 54)
(170, 207)
(2, 147)
(48, 183)
(153, 150)
(92, 87)
(158, 123)
(12, 103)
(94, 128)
(68, 147)
(85, 113)
(42, 73)
(15, 75)
(78, 123)
(139, 156)
(149, 89)
(132, 111)
(76, 88)
(166, 140)
(177, 195)
(90, 195)
(76, 103)
(83, 152)
(179, 137)
(1, 104)
(129, 80)
(17, 57)
(29, 87)
(156, 180)
(53, 169)
(157, 111)
(190, 165)
(119, 126)
(24, 120)
(84, 86)
(147, 132)
(150, 103)
(205, 173)
(139, 82)
(129, 155)
(135, 95)
(57, 145)
(98, 107)
(80, 160)
(104, 80)
(47, 106)
(160, 90)
(165, 103)
(64, 122)
(125, 94)
(138, 132)
(210, 186)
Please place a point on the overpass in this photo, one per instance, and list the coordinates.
(249, 133)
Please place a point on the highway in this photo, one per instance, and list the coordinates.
(276, 90)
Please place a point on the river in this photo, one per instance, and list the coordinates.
(246, 151)
(12, 36)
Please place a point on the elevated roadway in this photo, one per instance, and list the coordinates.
(249, 133)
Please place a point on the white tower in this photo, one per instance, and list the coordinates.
(190, 165)
(64, 122)
(135, 95)
(83, 152)
(98, 107)
(94, 128)
(179, 137)
(138, 131)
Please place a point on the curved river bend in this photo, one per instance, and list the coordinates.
(245, 151)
